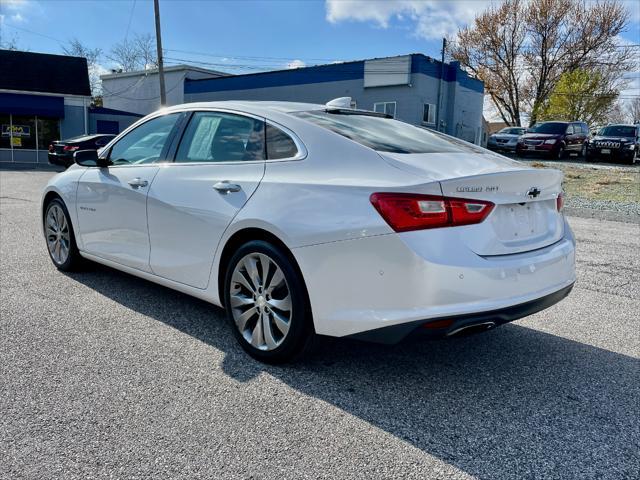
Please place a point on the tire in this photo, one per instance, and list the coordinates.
(583, 151)
(561, 153)
(279, 327)
(632, 159)
(60, 238)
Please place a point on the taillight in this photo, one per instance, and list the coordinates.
(408, 211)
(560, 201)
(69, 148)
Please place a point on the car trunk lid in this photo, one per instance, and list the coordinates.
(525, 216)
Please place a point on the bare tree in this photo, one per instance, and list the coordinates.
(135, 54)
(521, 49)
(633, 110)
(11, 44)
(75, 48)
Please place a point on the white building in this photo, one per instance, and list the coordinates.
(139, 92)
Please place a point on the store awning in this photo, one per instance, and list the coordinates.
(43, 105)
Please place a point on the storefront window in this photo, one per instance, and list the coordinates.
(24, 132)
(48, 131)
(5, 137)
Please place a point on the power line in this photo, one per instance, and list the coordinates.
(133, 7)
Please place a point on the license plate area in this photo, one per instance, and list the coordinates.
(606, 151)
(517, 222)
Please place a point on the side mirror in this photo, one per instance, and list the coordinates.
(89, 158)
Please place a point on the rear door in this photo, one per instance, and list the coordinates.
(218, 164)
(112, 202)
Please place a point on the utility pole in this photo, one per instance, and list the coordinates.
(163, 94)
(438, 116)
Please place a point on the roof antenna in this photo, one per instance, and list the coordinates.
(342, 102)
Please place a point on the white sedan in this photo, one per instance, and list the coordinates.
(305, 220)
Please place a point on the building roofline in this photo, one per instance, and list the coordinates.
(420, 63)
(172, 68)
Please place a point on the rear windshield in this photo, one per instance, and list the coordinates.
(618, 131)
(387, 135)
(549, 127)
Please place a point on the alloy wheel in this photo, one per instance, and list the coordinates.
(57, 234)
(260, 301)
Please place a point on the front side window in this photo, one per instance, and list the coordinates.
(386, 134)
(279, 144)
(429, 113)
(570, 130)
(385, 107)
(144, 144)
(222, 137)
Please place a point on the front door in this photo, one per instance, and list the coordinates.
(112, 202)
(218, 165)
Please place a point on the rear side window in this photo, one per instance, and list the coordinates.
(221, 137)
(387, 135)
(279, 144)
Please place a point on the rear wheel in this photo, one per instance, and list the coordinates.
(267, 305)
(59, 236)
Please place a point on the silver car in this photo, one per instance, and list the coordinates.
(505, 139)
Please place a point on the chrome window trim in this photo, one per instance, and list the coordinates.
(301, 155)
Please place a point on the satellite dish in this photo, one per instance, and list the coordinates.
(342, 102)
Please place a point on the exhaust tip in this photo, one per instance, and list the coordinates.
(471, 329)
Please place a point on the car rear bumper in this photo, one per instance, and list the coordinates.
(60, 159)
(376, 282)
(448, 326)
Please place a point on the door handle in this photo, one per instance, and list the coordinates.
(225, 187)
(137, 182)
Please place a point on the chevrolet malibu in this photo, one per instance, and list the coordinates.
(305, 220)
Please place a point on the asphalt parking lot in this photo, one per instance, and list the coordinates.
(103, 375)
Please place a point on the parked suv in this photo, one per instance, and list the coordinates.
(620, 142)
(61, 151)
(555, 139)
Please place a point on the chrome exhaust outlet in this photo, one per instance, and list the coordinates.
(472, 328)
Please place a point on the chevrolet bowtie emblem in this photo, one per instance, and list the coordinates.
(534, 192)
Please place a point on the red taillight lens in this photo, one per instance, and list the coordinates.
(69, 148)
(560, 201)
(408, 211)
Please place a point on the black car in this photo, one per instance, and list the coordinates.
(61, 151)
(616, 142)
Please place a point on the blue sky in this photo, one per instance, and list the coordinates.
(248, 35)
(277, 32)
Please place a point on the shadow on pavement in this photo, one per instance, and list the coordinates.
(512, 403)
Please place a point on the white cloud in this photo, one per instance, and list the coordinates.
(432, 18)
(296, 64)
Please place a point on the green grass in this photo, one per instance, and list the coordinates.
(598, 184)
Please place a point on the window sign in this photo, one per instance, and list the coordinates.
(16, 131)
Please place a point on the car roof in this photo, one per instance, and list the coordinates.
(249, 106)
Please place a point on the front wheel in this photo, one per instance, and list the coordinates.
(561, 153)
(583, 151)
(267, 304)
(59, 236)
